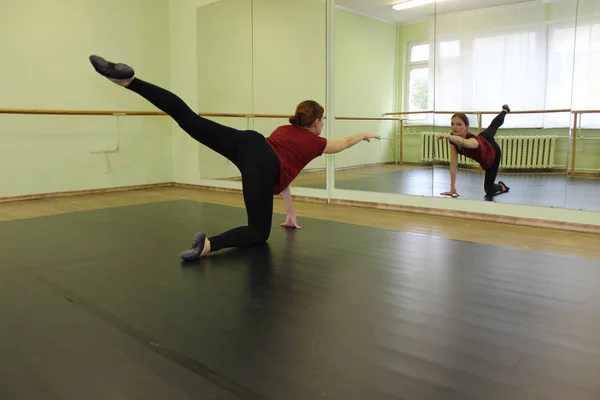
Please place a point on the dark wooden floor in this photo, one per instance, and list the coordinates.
(97, 305)
(541, 189)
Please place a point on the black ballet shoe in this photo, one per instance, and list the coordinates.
(110, 69)
(194, 252)
(506, 108)
(503, 185)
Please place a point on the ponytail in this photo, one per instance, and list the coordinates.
(307, 113)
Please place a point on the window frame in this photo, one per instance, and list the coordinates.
(408, 67)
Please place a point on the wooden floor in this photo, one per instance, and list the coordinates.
(544, 240)
(96, 304)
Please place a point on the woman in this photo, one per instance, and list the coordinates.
(481, 148)
(267, 165)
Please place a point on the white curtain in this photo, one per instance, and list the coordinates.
(586, 82)
(521, 55)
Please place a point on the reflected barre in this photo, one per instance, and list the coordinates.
(481, 112)
(577, 114)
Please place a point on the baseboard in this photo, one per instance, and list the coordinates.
(585, 175)
(72, 193)
(506, 171)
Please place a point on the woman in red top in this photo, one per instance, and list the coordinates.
(481, 148)
(267, 165)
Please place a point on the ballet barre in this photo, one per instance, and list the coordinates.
(160, 113)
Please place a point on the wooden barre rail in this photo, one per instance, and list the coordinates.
(160, 113)
(126, 113)
(585, 111)
(481, 112)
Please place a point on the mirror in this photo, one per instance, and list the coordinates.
(403, 75)
(583, 188)
(505, 52)
(265, 57)
(224, 74)
(289, 67)
(374, 56)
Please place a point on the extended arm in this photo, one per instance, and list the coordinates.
(460, 142)
(287, 201)
(453, 169)
(335, 146)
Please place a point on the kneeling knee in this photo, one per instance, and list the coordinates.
(262, 235)
(489, 191)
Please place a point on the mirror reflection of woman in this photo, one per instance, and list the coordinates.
(481, 148)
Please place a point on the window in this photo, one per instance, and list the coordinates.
(417, 77)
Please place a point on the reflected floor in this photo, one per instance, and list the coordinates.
(408, 180)
(538, 189)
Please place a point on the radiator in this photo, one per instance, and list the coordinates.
(518, 152)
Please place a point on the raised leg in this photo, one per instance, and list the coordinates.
(222, 139)
(496, 123)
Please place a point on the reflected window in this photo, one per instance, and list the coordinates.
(419, 52)
(418, 86)
(417, 80)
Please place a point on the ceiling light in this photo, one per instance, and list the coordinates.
(412, 3)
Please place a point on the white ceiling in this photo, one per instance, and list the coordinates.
(382, 9)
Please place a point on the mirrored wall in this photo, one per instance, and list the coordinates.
(519, 54)
(431, 80)
(257, 60)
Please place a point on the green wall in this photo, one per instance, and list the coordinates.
(45, 48)
(366, 84)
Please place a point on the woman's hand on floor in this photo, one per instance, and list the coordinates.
(451, 192)
(290, 222)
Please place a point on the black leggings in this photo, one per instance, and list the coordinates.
(247, 150)
(489, 185)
